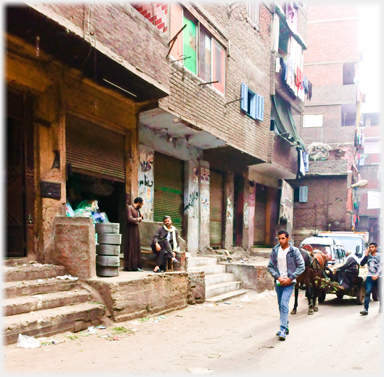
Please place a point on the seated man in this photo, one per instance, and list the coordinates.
(348, 272)
(164, 244)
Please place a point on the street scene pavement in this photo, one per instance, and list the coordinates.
(225, 338)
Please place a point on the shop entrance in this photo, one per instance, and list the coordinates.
(260, 214)
(108, 193)
(238, 211)
(19, 175)
(216, 208)
(95, 167)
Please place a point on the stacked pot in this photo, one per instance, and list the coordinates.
(108, 249)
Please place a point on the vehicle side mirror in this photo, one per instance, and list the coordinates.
(357, 250)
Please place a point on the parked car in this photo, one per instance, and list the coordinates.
(333, 250)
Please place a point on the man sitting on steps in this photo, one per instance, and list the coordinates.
(164, 244)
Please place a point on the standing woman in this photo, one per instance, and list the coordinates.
(132, 250)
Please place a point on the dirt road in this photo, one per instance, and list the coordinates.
(228, 338)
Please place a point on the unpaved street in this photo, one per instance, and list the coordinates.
(230, 338)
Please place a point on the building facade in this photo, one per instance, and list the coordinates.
(194, 107)
(324, 198)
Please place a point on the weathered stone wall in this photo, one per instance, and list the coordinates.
(196, 285)
(141, 297)
(253, 277)
(75, 246)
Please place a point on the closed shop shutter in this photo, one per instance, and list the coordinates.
(169, 191)
(216, 208)
(260, 214)
(95, 150)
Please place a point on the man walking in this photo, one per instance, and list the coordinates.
(285, 265)
(373, 280)
(165, 244)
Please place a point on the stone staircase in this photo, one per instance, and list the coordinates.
(219, 284)
(42, 300)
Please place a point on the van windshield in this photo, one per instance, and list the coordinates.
(350, 243)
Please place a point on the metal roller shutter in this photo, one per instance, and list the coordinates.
(169, 190)
(260, 214)
(216, 208)
(95, 150)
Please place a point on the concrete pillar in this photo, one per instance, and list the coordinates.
(248, 213)
(204, 237)
(228, 220)
(191, 205)
(146, 187)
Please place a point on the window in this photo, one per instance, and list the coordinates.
(301, 194)
(348, 73)
(196, 49)
(251, 103)
(313, 120)
(253, 14)
(348, 115)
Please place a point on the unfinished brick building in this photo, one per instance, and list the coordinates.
(331, 127)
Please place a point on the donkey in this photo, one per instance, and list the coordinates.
(315, 263)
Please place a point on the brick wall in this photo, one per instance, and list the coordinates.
(120, 28)
(325, 208)
(155, 13)
(332, 130)
(248, 62)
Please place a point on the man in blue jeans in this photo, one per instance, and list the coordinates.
(285, 265)
(373, 258)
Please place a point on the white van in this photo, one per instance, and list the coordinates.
(353, 242)
(334, 250)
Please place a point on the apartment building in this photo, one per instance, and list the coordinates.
(194, 107)
(331, 126)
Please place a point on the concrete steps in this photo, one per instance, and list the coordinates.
(219, 284)
(52, 321)
(20, 305)
(228, 295)
(220, 288)
(40, 300)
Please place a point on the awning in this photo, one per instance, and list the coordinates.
(284, 122)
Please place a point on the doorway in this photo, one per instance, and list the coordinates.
(19, 175)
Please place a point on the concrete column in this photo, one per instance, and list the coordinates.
(204, 240)
(146, 187)
(248, 213)
(228, 221)
(191, 205)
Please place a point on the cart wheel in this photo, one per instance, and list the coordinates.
(360, 295)
(339, 295)
(322, 295)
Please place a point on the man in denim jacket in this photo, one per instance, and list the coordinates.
(285, 265)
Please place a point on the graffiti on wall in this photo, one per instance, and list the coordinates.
(229, 211)
(204, 175)
(146, 181)
(246, 215)
(192, 200)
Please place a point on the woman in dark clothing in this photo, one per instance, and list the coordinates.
(132, 250)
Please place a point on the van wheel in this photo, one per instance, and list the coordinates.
(339, 295)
